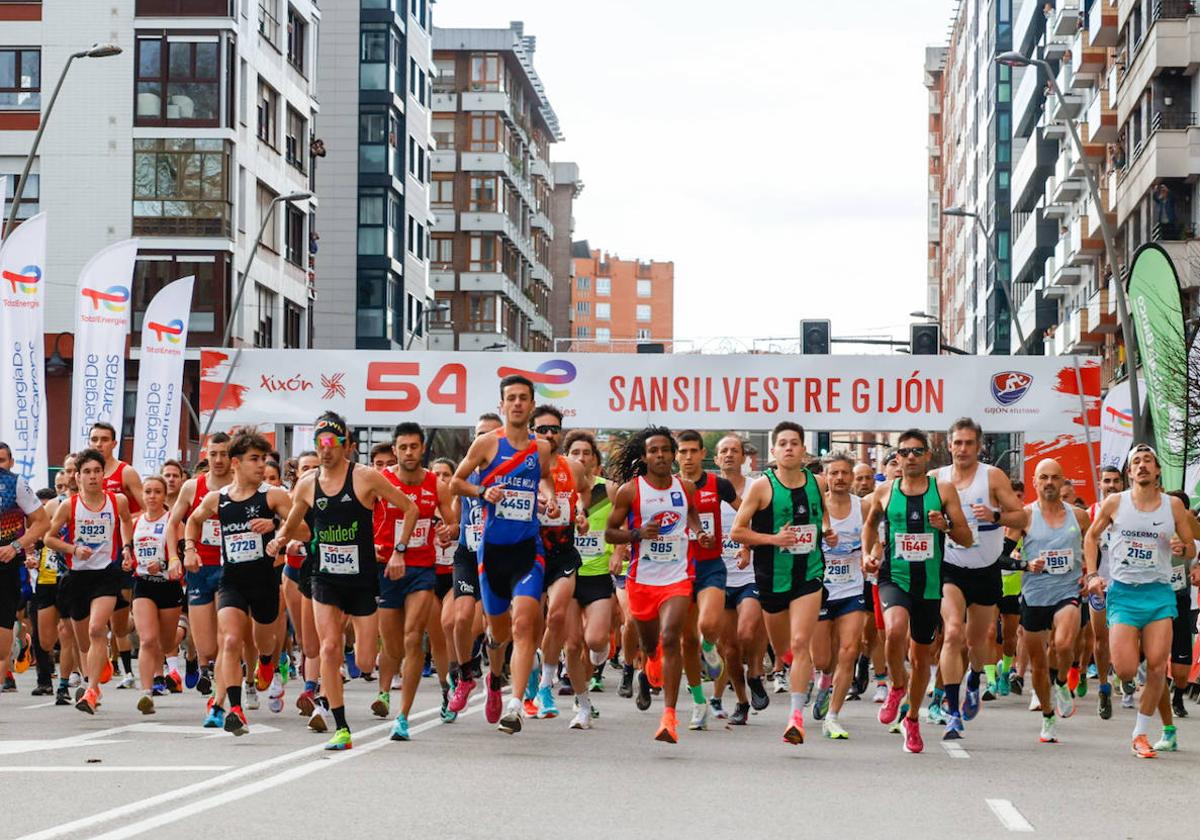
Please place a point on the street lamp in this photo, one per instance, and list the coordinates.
(1012, 58)
(925, 315)
(94, 51)
(964, 213)
(440, 306)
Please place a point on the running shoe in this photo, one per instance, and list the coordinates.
(759, 699)
(191, 674)
(565, 689)
(1035, 705)
(699, 717)
(887, 713)
(251, 697)
(936, 713)
(530, 707)
(235, 721)
(667, 728)
(954, 728)
(74, 680)
(625, 689)
(145, 704)
(546, 706)
(714, 665)
(1064, 701)
(781, 681)
(862, 676)
(461, 694)
(582, 719)
(821, 703)
(1142, 748)
(741, 715)
(1048, 736)
(653, 670)
(881, 693)
(642, 698)
(1126, 701)
(352, 670)
(794, 733)
(174, 683)
(204, 681)
(427, 668)
(381, 705)
(87, 703)
(305, 702)
(834, 730)
(1081, 689)
(42, 691)
(447, 715)
(158, 688)
(1002, 686)
(275, 693)
(535, 678)
(1093, 672)
(62, 697)
(400, 728)
(215, 719)
(1178, 708)
(1073, 678)
(321, 719)
(340, 741)
(897, 728)
(492, 705)
(1168, 742)
(510, 723)
(912, 736)
(718, 710)
(1016, 683)
(263, 675)
(970, 705)
(1104, 704)
(127, 681)
(596, 684)
(106, 673)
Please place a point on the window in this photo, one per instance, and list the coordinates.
(603, 311)
(643, 333)
(445, 75)
(412, 76)
(483, 253)
(209, 292)
(643, 288)
(30, 198)
(293, 318)
(416, 315)
(20, 80)
(265, 196)
(373, 139)
(483, 193)
(441, 192)
(422, 86)
(582, 332)
(374, 314)
(603, 335)
(181, 187)
(481, 312)
(643, 312)
(485, 72)
(604, 286)
(297, 37)
(412, 155)
(293, 232)
(583, 283)
(264, 330)
(583, 307)
(483, 134)
(178, 80)
(443, 132)
(442, 254)
(373, 56)
(268, 21)
(268, 114)
(372, 220)
(294, 140)
(422, 169)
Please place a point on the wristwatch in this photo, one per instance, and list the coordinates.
(400, 549)
(995, 517)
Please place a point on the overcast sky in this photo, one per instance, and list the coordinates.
(775, 150)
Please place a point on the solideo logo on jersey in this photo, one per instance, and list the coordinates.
(112, 299)
(1010, 386)
(170, 331)
(551, 373)
(25, 280)
(667, 521)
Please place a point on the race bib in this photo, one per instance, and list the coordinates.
(730, 549)
(210, 532)
(915, 548)
(590, 544)
(420, 533)
(808, 539)
(663, 550)
(92, 532)
(838, 573)
(516, 505)
(1059, 561)
(244, 547)
(339, 559)
(707, 525)
(1140, 553)
(445, 555)
(474, 535)
(1179, 579)
(564, 512)
(148, 550)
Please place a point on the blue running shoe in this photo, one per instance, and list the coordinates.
(821, 703)
(352, 666)
(970, 705)
(191, 674)
(400, 728)
(535, 678)
(1002, 686)
(1093, 672)
(215, 718)
(547, 707)
(936, 713)
(954, 728)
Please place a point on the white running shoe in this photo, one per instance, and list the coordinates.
(1035, 705)
(75, 679)
(582, 719)
(699, 717)
(881, 692)
(275, 695)
(321, 720)
(126, 681)
(1064, 701)
(833, 729)
(1048, 736)
(250, 697)
(781, 682)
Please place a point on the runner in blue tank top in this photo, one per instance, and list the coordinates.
(515, 483)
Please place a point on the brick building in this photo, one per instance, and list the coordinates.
(617, 304)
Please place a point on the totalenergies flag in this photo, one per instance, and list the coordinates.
(160, 377)
(102, 306)
(23, 354)
(1116, 424)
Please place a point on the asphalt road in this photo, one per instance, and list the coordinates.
(120, 774)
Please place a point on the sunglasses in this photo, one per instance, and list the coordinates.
(914, 451)
(547, 430)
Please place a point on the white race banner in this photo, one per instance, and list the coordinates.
(103, 307)
(160, 377)
(623, 390)
(23, 360)
(1116, 424)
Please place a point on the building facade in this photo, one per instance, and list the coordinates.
(567, 187)
(182, 140)
(618, 304)
(491, 193)
(935, 63)
(376, 69)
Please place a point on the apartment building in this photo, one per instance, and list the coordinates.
(491, 193)
(935, 64)
(567, 187)
(182, 140)
(376, 69)
(618, 304)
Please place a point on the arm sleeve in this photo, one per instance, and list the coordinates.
(1007, 563)
(725, 491)
(27, 500)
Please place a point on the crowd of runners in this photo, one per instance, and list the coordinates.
(531, 567)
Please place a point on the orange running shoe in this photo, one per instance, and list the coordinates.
(794, 734)
(263, 675)
(87, 703)
(654, 669)
(106, 673)
(531, 709)
(1142, 748)
(1073, 678)
(21, 665)
(666, 728)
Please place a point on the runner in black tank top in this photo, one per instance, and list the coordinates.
(343, 541)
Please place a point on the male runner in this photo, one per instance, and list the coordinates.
(50, 572)
(514, 481)
(918, 511)
(1112, 480)
(971, 585)
(382, 456)
(99, 531)
(702, 628)
(1171, 704)
(202, 582)
(173, 475)
(297, 597)
(345, 579)
(248, 509)
(783, 520)
(441, 617)
(864, 480)
(1148, 528)
(406, 603)
(653, 511)
(22, 523)
(1051, 562)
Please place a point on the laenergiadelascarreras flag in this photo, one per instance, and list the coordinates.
(103, 307)
(160, 376)
(23, 356)
(1157, 313)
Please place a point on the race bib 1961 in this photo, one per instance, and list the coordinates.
(1059, 560)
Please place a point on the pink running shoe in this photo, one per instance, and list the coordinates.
(887, 712)
(462, 693)
(492, 705)
(912, 735)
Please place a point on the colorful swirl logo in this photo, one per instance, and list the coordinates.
(25, 280)
(171, 331)
(553, 372)
(113, 298)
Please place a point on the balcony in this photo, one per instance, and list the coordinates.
(1102, 311)
(491, 100)
(1081, 335)
(444, 160)
(1056, 48)
(1101, 119)
(1027, 103)
(1034, 243)
(1068, 186)
(1066, 19)
(499, 162)
(1169, 152)
(1028, 27)
(1172, 41)
(441, 279)
(1033, 168)
(1036, 314)
(542, 275)
(444, 102)
(1066, 272)
(1102, 24)
(542, 221)
(1087, 61)
(1082, 246)
(1092, 214)
(1183, 254)
(443, 219)
(539, 168)
(1069, 105)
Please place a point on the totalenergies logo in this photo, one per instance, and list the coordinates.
(113, 298)
(25, 280)
(171, 331)
(553, 372)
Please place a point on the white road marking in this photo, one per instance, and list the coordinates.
(40, 705)
(955, 749)
(114, 768)
(1008, 815)
(91, 739)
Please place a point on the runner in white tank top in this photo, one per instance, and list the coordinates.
(1112, 480)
